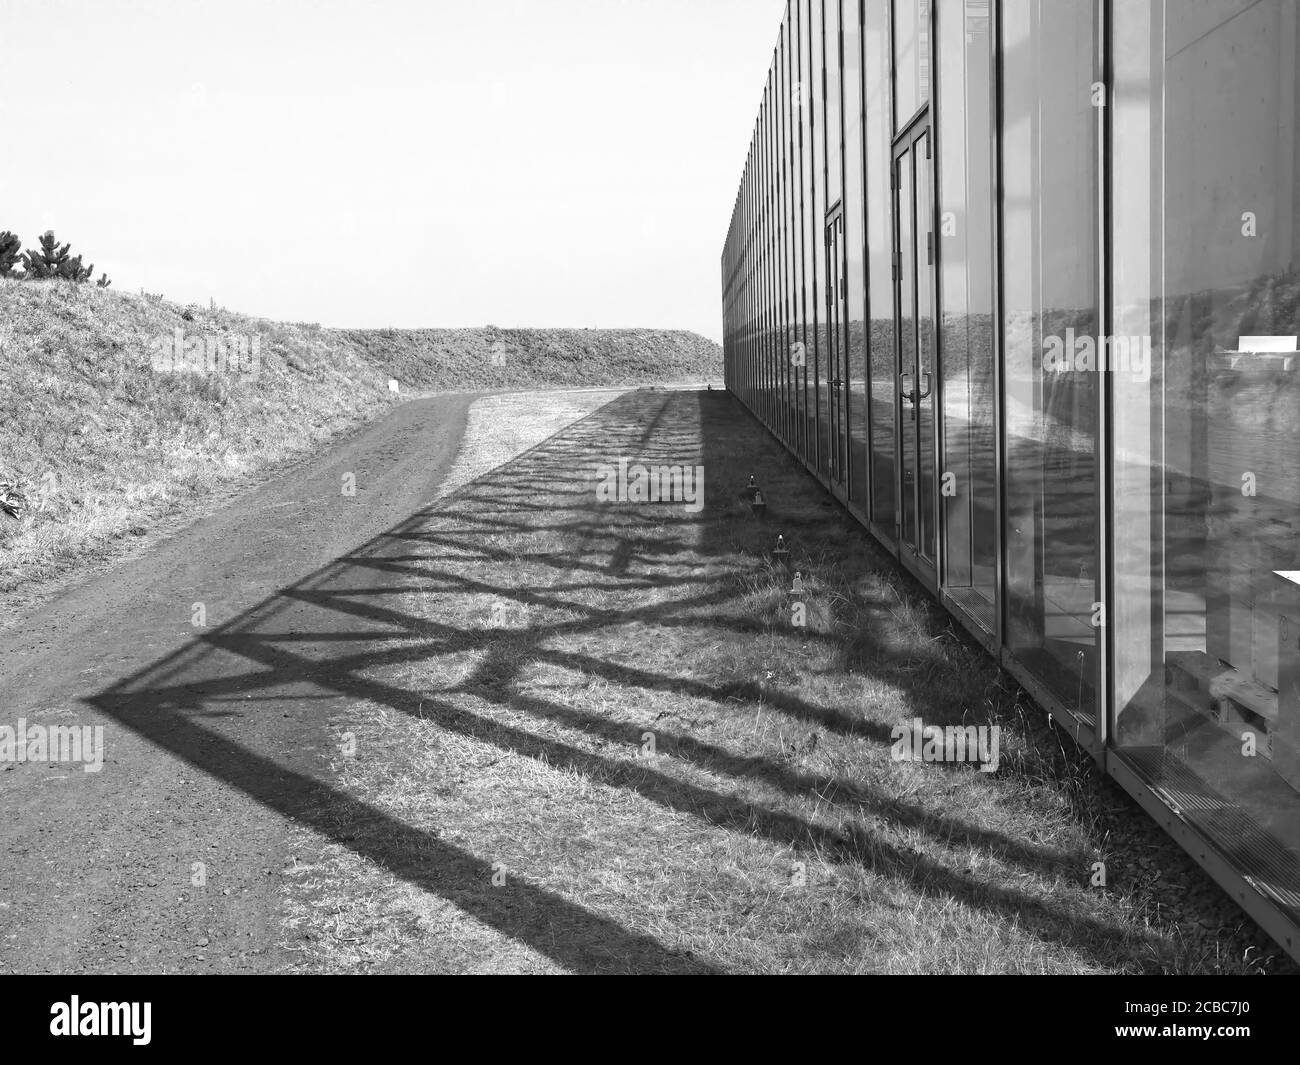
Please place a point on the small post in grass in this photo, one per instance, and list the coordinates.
(781, 553)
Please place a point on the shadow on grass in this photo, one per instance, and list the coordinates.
(330, 636)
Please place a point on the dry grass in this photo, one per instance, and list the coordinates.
(499, 428)
(490, 358)
(109, 445)
(104, 446)
(770, 830)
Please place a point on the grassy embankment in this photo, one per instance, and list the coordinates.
(104, 446)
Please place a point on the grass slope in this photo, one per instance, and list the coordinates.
(490, 358)
(105, 446)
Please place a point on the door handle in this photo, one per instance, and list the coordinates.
(907, 393)
(929, 385)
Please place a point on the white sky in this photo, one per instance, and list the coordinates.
(390, 162)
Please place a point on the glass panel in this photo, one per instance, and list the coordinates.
(880, 250)
(837, 442)
(760, 288)
(834, 132)
(1050, 322)
(746, 258)
(769, 229)
(855, 239)
(817, 203)
(832, 304)
(765, 209)
(968, 485)
(808, 247)
(782, 345)
(793, 230)
(752, 256)
(760, 278)
(756, 256)
(747, 361)
(907, 337)
(774, 229)
(1206, 394)
(753, 275)
(924, 381)
(800, 10)
(783, 206)
(911, 57)
(774, 247)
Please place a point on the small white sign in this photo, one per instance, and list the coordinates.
(393, 386)
(1269, 344)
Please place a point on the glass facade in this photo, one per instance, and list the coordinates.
(810, 44)
(967, 268)
(911, 54)
(787, 234)
(877, 126)
(1017, 280)
(855, 251)
(834, 444)
(818, 355)
(1050, 319)
(1206, 416)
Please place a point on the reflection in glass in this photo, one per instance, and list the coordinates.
(757, 278)
(1050, 324)
(790, 179)
(855, 239)
(926, 369)
(781, 187)
(911, 58)
(833, 422)
(817, 355)
(916, 343)
(769, 264)
(966, 340)
(745, 358)
(810, 47)
(752, 255)
(834, 175)
(749, 280)
(880, 279)
(799, 66)
(904, 186)
(836, 441)
(1207, 421)
(1199, 379)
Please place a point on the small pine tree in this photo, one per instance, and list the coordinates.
(103, 281)
(53, 261)
(72, 270)
(11, 247)
(45, 263)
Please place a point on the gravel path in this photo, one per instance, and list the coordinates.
(156, 862)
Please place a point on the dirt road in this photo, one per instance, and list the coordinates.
(169, 857)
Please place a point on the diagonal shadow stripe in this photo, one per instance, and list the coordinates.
(588, 943)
